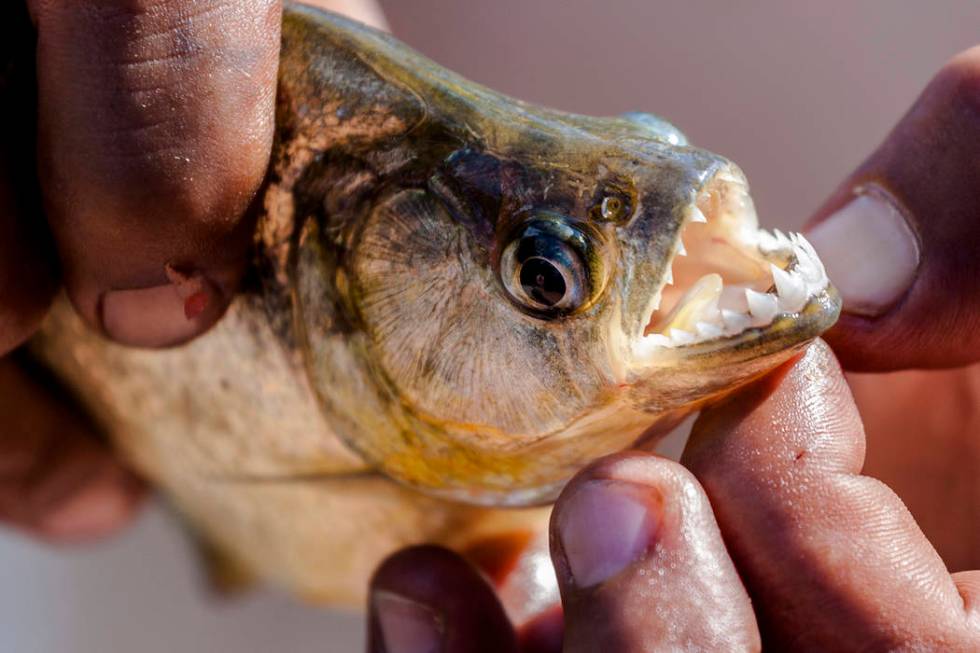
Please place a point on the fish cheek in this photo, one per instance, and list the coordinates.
(443, 334)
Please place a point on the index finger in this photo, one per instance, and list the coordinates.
(155, 127)
(832, 559)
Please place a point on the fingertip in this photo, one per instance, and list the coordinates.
(426, 598)
(898, 237)
(606, 518)
(102, 506)
(183, 307)
(641, 563)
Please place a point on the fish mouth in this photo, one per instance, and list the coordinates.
(728, 281)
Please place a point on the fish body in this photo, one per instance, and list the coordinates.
(457, 300)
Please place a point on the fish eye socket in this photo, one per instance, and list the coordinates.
(545, 268)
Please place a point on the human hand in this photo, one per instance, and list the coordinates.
(768, 535)
(154, 123)
(905, 256)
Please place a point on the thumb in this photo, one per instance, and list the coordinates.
(901, 237)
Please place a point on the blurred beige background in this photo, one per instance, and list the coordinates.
(796, 92)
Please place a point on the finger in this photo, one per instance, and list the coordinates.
(832, 559)
(899, 237)
(641, 563)
(155, 127)
(921, 428)
(27, 279)
(428, 599)
(56, 480)
(366, 11)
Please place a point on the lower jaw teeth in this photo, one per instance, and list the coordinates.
(710, 310)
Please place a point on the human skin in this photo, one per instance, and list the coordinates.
(150, 149)
(198, 170)
(766, 534)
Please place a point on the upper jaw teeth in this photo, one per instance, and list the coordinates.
(710, 310)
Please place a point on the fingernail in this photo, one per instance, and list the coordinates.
(163, 315)
(869, 249)
(406, 626)
(604, 527)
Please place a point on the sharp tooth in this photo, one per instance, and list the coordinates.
(783, 239)
(810, 268)
(699, 303)
(681, 337)
(735, 322)
(805, 244)
(707, 330)
(811, 253)
(681, 250)
(767, 242)
(697, 215)
(669, 277)
(791, 289)
(762, 306)
(733, 298)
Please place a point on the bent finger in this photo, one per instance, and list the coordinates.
(832, 559)
(155, 127)
(899, 237)
(429, 599)
(641, 563)
(57, 481)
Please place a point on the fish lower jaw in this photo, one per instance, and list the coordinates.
(730, 277)
(711, 310)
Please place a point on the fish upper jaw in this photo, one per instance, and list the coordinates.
(729, 285)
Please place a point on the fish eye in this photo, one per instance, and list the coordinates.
(545, 268)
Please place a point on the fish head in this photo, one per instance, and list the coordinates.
(493, 294)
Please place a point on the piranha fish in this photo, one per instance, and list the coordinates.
(457, 300)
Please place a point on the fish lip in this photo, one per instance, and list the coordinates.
(795, 308)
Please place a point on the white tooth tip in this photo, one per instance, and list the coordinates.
(735, 322)
(681, 337)
(791, 289)
(697, 215)
(767, 242)
(762, 306)
(708, 330)
(669, 277)
(681, 250)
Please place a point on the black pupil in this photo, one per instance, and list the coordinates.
(542, 281)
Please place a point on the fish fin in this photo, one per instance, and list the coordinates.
(226, 575)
